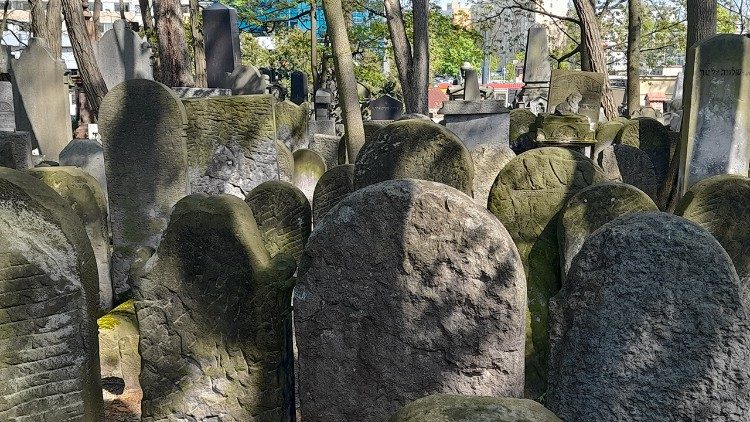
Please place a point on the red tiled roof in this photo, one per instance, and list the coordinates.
(435, 98)
(656, 96)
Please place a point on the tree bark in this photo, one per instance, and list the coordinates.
(401, 52)
(173, 56)
(593, 43)
(199, 47)
(634, 55)
(91, 77)
(314, 44)
(421, 58)
(38, 20)
(585, 57)
(701, 18)
(95, 17)
(54, 27)
(345, 82)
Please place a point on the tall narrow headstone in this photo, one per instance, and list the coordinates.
(143, 135)
(471, 86)
(536, 66)
(7, 109)
(292, 122)
(122, 55)
(716, 120)
(300, 90)
(222, 39)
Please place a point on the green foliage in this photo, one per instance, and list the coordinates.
(726, 22)
(451, 45)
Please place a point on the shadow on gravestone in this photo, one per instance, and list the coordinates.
(650, 136)
(88, 155)
(15, 150)
(451, 408)
(332, 187)
(629, 165)
(122, 55)
(488, 160)
(292, 124)
(244, 80)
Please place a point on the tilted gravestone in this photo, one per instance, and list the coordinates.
(213, 311)
(328, 148)
(450, 408)
(522, 130)
(300, 92)
(49, 291)
(231, 143)
(630, 165)
(283, 215)
(84, 195)
(589, 85)
(285, 161)
(591, 208)
(721, 205)
(292, 124)
(386, 108)
(41, 99)
(650, 136)
(244, 80)
(143, 136)
(488, 160)
(7, 109)
(120, 363)
(527, 196)
(222, 39)
(415, 255)
(309, 166)
(332, 187)
(123, 55)
(88, 155)
(652, 324)
(606, 134)
(415, 149)
(15, 150)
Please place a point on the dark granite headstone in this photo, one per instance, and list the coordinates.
(386, 108)
(300, 91)
(222, 40)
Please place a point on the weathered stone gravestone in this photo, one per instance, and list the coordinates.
(283, 215)
(332, 187)
(309, 166)
(190, 92)
(606, 134)
(143, 137)
(285, 161)
(651, 325)
(415, 149)
(537, 67)
(721, 205)
(328, 148)
(471, 86)
(591, 208)
(49, 353)
(88, 155)
(630, 165)
(231, 143)
(222, 38)
(7, 110)
(244, 80)
(386, 108)
(300, 92)
(448, 408)
(651, 137)
(527, 196)
(477, 122)
(522, 130)
(588, 84)
(122, 55)
(213, 312)
(15, 150)
(716, 120)
(41, 99)
(411, 255)
(291, 124)
(84, 195)
(488, 160)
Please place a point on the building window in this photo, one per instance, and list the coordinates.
(127, 7)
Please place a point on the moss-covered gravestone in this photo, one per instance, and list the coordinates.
(283, 215)
(142, 125)
(527, 196)
(291, 124)
(285, 161)
(88, 155)
(84, 195)
(309, 166)
(448, 408)
(406, 288)
(213, 310)
(522, 129)
(721, 205)
(630, 165)
(650, 136)
(332, 187)
(328, 148)
(415, 149)
(606, 133)
(371, 127)
(488, 160)
(591, 208)
(651, 325)
(49, 358)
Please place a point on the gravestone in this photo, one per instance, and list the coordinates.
(222, 40)
(49, 353)
(7, 111)
(591, 208)
(471, 86)
(449, 408)
(415, 255)
(291, 124)
(299, 87)
(309, 166)
(488, 160)
(716, 120)
(332, 187)
(679, 85)
(285, 161)
(213, 311)
(651, 137)
(84, 195)
(143, 138)
(415, 149)
(120, 364)
(408, 116)
(323, 101)
(588, 84)
(630, 165)
(606, 133)
(721, 205)
(88, 155)
(231, 143)
(41, 99)
(283, 215)
(651, 325)
(15, 150)
(527, 196)
(386, 108)
(123, 55)
(190, 92)
(536, 66)
(328, 148)
(522, 130)
(477, 122)
(244, 80)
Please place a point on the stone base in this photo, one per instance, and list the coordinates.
(477, 122)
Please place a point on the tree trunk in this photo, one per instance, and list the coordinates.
(634, 55)
(199, 47)
(54, 27)
(95, 19)
(421, 59)
(148, 19)
(92, 80)
(345, 82)
(314, 44)
(585, 58)
(593, 43)
(701, 17)
(401, 52)
(173, 56)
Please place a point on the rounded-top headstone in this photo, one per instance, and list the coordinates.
(606, 133)
(450, 408)
(652, 325)
(488, 160)
(383, 269)
(88, 155)
(521, 123)
(631, 165)
(650, 136)
(526, 197)
(417, 116)
(371, 127)
(283, 215)
(332, 187)
(309, 166)
(721, 205)
(415, 149)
